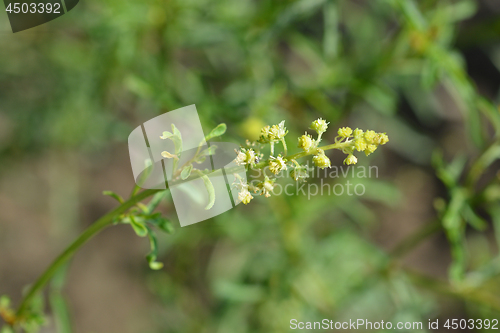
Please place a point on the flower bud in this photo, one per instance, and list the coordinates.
(245, 156)
(264, 134)
(370, 149)
(321, 160)
(370, 136)
(319, 125)
(345, 132)
(305, 142)
(357, 133)
(383, 138)
(276, 164)
(360, 144)
(266, 187)
(244, 196)
(351, 159)
(277, 132)
(299, 173)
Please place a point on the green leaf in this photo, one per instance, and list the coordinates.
(200, 159)
(60, 312)
(186, 172)
(166, 135)
(155, 201)
(491, 111)
(461, 10)
(211, 191)
(143, 208)
(474, 220)
(148, 168)
(412, 13)
(452, 220)
(449, 174)
(209, 151)
(166, 226)
(155, 265)
(139, 228)
(177, 139)
(218, 131)
(139, 86)
(151, 257)
(162, 223)
(114, 195)
(494, 211)
(58, 303)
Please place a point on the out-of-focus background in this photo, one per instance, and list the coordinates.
(426, 72)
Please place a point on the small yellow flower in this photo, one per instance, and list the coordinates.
(299, 173)
(245, 196)
(273, 133)
(360, 144)
(370, 149)
(276, 164)
(321, 160)
(345, 132)
(382, 139)
(277, 132)
(319, 125)
(370, 136)
(357, 133)
(266, 187)
(246, 156)
(264, 134)
(351, 159)
(305, 142)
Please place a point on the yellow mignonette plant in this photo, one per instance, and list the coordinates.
(347, 140)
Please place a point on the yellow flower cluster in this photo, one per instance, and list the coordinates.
(306, 142)
(276, 164)
(319, 125)
(245, 196)
(348, 141)
(266, 187)
(361, 141)
(273, 133)
(299, 173)
(246, 156)
(321, 160)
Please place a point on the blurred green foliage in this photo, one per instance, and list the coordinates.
(84, 81)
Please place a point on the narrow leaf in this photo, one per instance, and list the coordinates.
(155, 201)
(474, 220)
(166, 154)
(210, 190)
(151, 257)
(218, 131)
(114, 195)
(138, 227)
(186, 172)
(177, 139)
(166, 135)
(200, 159)
(162, 223)
(209, 151)
(155, 265)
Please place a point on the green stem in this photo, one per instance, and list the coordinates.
(90, 232)
(284, 147)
